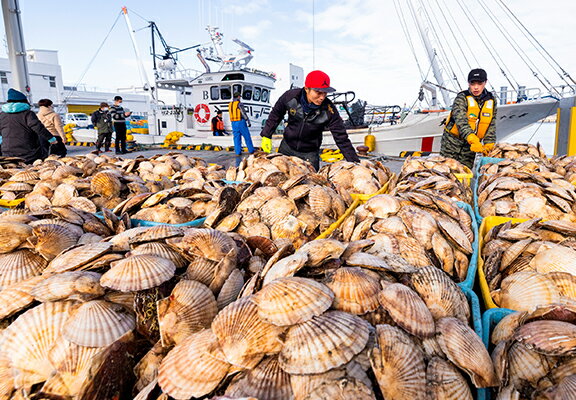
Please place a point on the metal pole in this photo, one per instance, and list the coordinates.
(16, 48)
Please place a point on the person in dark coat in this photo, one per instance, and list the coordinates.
(310, 113)
(21, 130)
(102, 121)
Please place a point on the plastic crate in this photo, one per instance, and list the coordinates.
(475, 312)
(466, 177)
(473, 265)
(141, 222)
(10, 203)
(487, 224)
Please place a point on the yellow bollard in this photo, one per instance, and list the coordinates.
(370, 142)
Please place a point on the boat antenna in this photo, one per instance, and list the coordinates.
(407, 35)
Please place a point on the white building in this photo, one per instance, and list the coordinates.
(46, 83)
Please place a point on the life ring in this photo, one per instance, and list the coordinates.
(198, 115)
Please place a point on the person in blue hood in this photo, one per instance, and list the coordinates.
(21, 130)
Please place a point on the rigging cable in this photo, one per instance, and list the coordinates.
(523, 56)
(444, 54)
(402, 19)
(492, 52)
(457, 42)
(93, 58)
(520, 24)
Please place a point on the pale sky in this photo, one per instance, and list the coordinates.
(359, 43)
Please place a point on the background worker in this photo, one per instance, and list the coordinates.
(310, 113)
(218, 124)
(119, 119)
(102, 121)
(240, 125)
(52, 121)
(471, 121)
(21, 130)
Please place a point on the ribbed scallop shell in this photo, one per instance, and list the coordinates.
(25, 176)
(36, 202)
(75, 285)
(16, 187)
(17, 296)
(293, 300)
(18, 266)
(526, 290)
(72, 364)
(407, 309)
(554, 338)
(243, 336)
(525, 364)
(138, 273)
(63, 194)
(53, 240)
(442, 296)
(323, 343)
(455, 234)
(13, 235)
(565, 282)
(505, 329)
(158, 232)
(290, 228)
(303, 385)
(76, 257)
(28, 340)
(231, 289)
(190, 308)
(322, 250)
(105, 184)
(229, 222)
(556, 259)
(193, 368)
(563, 369)
(513, 251)
(276, 209)
(464, 348)
(445, 382)
(342, 389)
(76, 229)
(320, 200)
(84, 204)
(398, 365)
(208, 243)
(354, 290)
(412, 251)
(265, 382)
(98, 323)
(201, 269)
(161, 250)
(287, 266)
(383, 205)
(6, 377)
(566, 389)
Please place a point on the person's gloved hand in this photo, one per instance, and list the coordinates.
(266, 144)
(488, 148)
(52, 141)
(475, 144)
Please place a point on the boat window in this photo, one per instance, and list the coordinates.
(225, 93)
(265, 95)
(247, 95)
(237, 88)
(214, 94)
(256, 95)
(233, 77)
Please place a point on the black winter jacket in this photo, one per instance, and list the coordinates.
(21, 134)
(304, 131)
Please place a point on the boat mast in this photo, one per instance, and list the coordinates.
(431, 52)
(16, 48)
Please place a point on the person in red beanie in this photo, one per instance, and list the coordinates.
(310, 113)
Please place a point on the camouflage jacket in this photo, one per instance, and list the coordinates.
(460, 118)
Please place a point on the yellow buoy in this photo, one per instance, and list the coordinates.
(370, 142)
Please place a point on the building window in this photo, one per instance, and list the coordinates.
(214, 94)
(52, 80)
(3, 77)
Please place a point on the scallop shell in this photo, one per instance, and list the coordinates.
(525, 364)
(391, 225)
(287, 266)
(383, 205)
(190, 308)
(208, 243)
(265, 382)
(322, 250)
(160, 249)
(138, 273)
(455, 234)
(105, 184)
(442, 296)
(526, 290)
(84, 204)
(6, 378)
(36, 202)
(293, 300)
(76, 257)
(342, 389)
(276, 209)
(445, 382)
(243, 336)
(566, 389)
(320, 200)
(53, 240)
(28, 340)
(63, 194)
(18, 266)
(231, 289)
(229, 222)
(17, 296)
(505, 329)
(354, 290)
(192, 368)
(398, 365)
(553, 338)
(158, 232)
(323, 343)
(556, 259)
(25, 176)
(75, 285)
(16, 187)
(76, 229)
(407, 309)
(13, 235)
(290, 228)
(513, 252)
(565, 282)
(413, 252)
(98, 323)
(464, 348)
